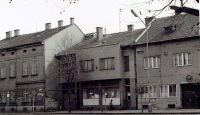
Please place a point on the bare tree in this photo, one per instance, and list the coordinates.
(65, 69)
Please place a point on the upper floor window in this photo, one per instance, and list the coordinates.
(25, 68)
(168, 90)
(12, 69)
(107, 63)
(145, 91)
(182, 59)
(24, 51)
(33, 67)
(87, 65)
(126, 63)
(154, 62)
(2, 70)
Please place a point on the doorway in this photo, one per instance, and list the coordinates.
(190, 96)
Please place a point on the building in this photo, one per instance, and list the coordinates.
(106, 71)
(114, 67)
(173, 54)
(26, 76)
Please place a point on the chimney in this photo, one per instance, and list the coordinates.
(47, 26)
(16, 32)
(60, 23)
(9, 34)
(71, 21)
(148, 19)
(130, 28)
(99, 31)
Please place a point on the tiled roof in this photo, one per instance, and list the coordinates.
(186, 26)
(29, 38)
(122, 38)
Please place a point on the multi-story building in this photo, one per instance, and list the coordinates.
(107, 71)
(114, 67)
(169, 64)
(26, 76)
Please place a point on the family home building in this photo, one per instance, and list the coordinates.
(171, 63)
(25, 61)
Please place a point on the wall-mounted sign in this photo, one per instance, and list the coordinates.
(189, 78)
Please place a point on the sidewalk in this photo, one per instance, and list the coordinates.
(171, 111)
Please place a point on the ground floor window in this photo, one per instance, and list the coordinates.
(168, 90)
(111, 93)
(90, 93)
(145, 91)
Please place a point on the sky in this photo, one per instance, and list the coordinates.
(31, 15)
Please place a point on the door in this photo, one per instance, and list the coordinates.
(190, 96)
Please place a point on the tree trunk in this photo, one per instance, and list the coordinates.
(185, 9)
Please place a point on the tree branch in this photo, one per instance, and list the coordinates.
(185, 9)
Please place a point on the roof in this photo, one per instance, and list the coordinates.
(186, 26)
(122, 38)
(31, 38)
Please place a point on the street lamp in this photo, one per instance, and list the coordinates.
(147, 44)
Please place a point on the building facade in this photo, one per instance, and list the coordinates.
(25, 61)
(169, 64)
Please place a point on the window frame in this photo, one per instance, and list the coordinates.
(86, 62)
(126, 64)
(12, 69)
(153, 93)
(3, 71)
(182, 59)
(104, 63)
(168, 91)
(154, 62)
(23, 68)
(34, 67)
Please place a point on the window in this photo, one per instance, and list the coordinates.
(107, 63)
(90, 94)
(33, 67)
(12, 96)
(34, 93)
(33, 49)
(24, 51)
(3, 97)
(168, 90)
(12, 53)
(182, 59)
(25, 68)
(3, 54)
(87, 65)
(153, 92)
(12, 69)
(126, 63)
(25, 95)
(154, 62)
(111, 92)
(2, 70)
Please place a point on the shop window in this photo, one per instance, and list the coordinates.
(107, 63)
(111, 93)
(182, 59)
(168, 90)
(90, 94)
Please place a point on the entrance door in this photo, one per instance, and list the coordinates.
(190, 96)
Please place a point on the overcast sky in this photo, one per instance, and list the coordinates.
(31, 15)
